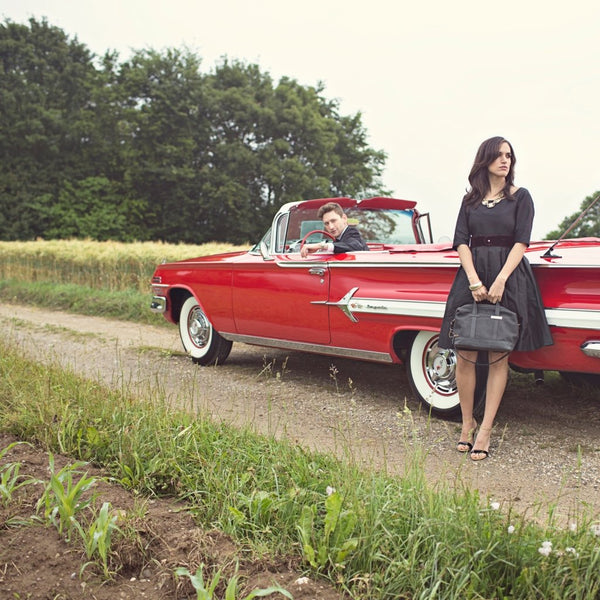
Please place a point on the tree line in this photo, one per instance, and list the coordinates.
(152, 148)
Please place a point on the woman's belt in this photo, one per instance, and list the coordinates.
(492, 240)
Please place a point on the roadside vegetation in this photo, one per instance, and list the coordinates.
(372, 535)
(107, 279)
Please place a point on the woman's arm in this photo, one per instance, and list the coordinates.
(480, 292)
(512, 260)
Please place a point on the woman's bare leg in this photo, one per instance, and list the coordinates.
(496, 384)
(466, 381)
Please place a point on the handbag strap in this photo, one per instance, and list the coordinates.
(474, 362)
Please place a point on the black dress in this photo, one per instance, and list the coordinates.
(510, 217)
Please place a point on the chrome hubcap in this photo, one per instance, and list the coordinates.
(199, 327)
(440, 367)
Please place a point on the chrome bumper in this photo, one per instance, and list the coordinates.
(591, 348)
(158, 304)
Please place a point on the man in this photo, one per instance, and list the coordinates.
(335, 222)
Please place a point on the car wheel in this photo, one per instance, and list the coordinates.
(199, 337)
(432, 377)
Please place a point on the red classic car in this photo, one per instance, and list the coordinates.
(384, 305)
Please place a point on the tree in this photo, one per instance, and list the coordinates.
(276, 144)
(589, 226)
(45, 82)
(163, 150)
(166, 140)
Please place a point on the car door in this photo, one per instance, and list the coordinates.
(282, 298)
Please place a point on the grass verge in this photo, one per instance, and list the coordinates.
(375, 536)
(125, 305)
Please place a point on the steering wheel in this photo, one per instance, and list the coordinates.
(315, 231)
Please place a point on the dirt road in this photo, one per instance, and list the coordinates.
(545, 449)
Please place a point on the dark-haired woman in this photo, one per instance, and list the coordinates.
(493, 230)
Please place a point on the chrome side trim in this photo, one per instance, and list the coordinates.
(573, 318)
(356, 265)
(379, 265)
(408, 308)
(382, 357)
(350, 306)
(591, 348)
(341, 264)
(342, 304)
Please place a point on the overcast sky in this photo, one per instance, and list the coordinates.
(432, 79)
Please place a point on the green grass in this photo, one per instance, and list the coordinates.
(126, 305)
(375, 536)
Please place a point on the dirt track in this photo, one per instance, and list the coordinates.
(545, 449)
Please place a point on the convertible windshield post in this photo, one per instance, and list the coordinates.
(425, 217)
(264, 250)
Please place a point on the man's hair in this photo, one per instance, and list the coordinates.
(330, 206)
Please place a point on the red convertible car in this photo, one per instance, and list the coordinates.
(384, 305)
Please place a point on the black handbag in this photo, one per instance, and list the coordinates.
(487, 327)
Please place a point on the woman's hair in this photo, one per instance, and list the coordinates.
(478, 177)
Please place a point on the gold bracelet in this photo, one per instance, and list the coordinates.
(475, 286)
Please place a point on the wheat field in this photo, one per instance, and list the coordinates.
(114, 266)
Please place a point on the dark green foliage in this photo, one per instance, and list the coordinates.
(152, 149)
(589, 226)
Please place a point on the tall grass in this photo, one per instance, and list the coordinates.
(375, 536)
(113, 266)
(109, 279)
(127, 305)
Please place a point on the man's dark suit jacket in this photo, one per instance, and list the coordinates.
(349, 241)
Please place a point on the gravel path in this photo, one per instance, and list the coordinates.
(545, 450)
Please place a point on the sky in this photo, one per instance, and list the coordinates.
(432, 79)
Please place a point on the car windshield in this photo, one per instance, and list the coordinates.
(383, 226)
(377, 226)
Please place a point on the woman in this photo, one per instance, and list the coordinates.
(493, 230)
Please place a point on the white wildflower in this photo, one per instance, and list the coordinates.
(494, 505)
(571, 550)
(330, 490)
(595, 528)
(545, 549)
(573, 526)
(511, 529)
(302, 581)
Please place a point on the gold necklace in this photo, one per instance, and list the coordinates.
(491, 202)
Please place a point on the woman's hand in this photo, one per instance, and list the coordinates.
(496, 290)
(480, 294)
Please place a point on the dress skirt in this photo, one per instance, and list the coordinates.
(521, 295)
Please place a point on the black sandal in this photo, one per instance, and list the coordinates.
(469, 445)
(476, 454)
(484, 454)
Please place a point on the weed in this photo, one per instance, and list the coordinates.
(97, 538)
(206, 591)
(63, 498)
(269, 369)
(10, 481)
(332, 545)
